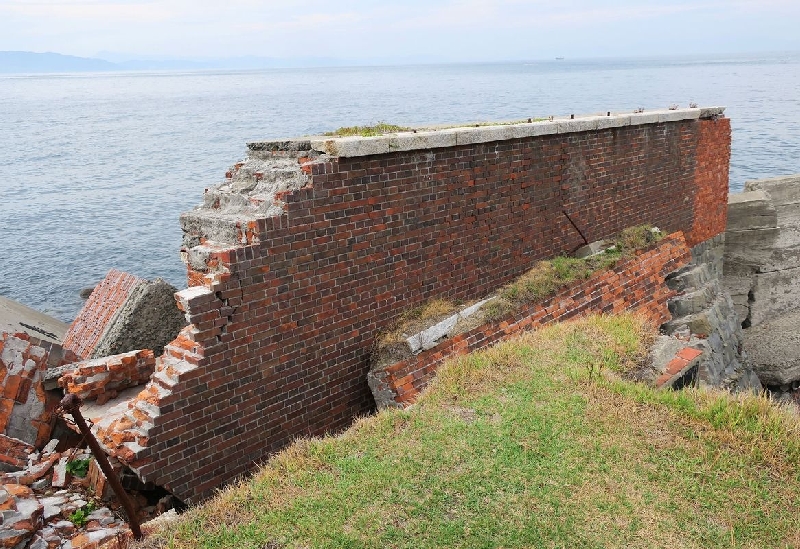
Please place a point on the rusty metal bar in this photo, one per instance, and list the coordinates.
(71, 405)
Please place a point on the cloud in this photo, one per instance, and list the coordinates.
(453, 29)
(89, 11)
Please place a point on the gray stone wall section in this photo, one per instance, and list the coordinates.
(149, 319)
(762, 252)
(702, 308)
(762, 273)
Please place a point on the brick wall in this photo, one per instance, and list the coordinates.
(282, 323)
(713, 155)
(636, 284)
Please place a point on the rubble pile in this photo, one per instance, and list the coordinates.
(53, 493)
(62, 500)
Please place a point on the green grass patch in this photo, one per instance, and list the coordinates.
(383, 128)
(380, 128)
(528, 444)
(547, 277)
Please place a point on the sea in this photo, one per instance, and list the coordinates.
(95, 168)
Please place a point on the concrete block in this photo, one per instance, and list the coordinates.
(613, 121)
(678, 115)
(711, 112)
(593, 248)
(751, 210)
(783, 190)
(483, 134)
(644, 118)
(578, 125)
(542, 127)
(774, 293)
(348, 147)
(750, 247)
(774, 349)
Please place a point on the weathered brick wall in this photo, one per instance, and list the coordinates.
(282, 323)
(636, 284)
(713, 155)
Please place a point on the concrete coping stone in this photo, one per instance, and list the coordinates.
(747, 196)
(434, 138)
(431, 337)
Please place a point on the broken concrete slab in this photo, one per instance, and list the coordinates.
(18, 318)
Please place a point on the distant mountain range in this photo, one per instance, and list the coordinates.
(30, 62)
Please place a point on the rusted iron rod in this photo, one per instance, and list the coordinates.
(71, 405)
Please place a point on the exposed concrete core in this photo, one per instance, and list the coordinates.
(254, 191)
(149, 319)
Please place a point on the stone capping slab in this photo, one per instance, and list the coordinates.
(431, 337)
(429, 138)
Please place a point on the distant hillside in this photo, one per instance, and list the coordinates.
(27, 62)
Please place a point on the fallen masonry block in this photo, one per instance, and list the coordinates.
(102, 379)
(13, 453)
(681, 370)
(125, 313)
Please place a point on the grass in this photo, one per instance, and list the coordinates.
(78, 467)
(526, 445)
(380, 128)
(391, 346)
(547, 277)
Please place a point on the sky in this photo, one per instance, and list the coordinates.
(436, 30)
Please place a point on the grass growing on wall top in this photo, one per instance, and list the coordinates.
(380, 128)
(521, 445)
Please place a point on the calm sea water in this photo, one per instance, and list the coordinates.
(96, 168)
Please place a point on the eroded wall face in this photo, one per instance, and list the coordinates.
(282, 328)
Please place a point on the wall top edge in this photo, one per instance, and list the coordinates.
(434, 138)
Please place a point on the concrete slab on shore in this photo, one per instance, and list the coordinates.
(16, 317)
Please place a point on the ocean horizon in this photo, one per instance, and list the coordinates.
(97, 167)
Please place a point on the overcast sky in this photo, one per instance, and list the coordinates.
(458, 30)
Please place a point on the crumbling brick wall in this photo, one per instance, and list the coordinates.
(636, 284)
(103, 378)
(284, 311)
